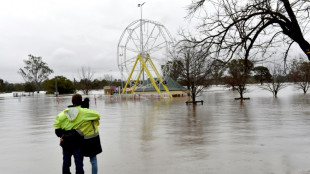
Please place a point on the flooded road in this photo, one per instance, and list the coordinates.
(151, 136)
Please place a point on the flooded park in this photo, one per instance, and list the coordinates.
(152, 136)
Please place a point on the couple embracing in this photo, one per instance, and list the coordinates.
(77, 127)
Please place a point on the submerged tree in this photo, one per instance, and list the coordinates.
(35, 71)
(248, 28)
(277, 82)
(218, 68)
(194, 70)
(172, 69)
(99, 84)
(29, 87)
(86, 76)
(64, 85)
(262, 74)
(300, 74)
(2, 86)
(239, 71)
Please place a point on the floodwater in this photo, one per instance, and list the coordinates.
(152, 136)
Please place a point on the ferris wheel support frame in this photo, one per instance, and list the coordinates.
(141, 56)
(144, 67)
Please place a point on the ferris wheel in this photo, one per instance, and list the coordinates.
(142, 55)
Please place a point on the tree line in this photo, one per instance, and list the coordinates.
(190, 68)
(65, 85)
(36, 73)
(196, 72)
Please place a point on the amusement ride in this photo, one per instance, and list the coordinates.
(142, 49)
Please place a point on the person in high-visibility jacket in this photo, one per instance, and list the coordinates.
(74, 118)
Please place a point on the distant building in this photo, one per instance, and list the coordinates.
(110, 90)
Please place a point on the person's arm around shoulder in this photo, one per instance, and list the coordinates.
(91, 114)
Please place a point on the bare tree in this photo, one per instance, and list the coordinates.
(86, 77)
(109, 78)
(277, 82)
(248, 28)
(300, 74)
(194, 70)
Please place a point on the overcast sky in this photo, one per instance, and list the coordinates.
(69, 34)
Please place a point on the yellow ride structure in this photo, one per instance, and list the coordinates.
(145, 68)
(143, 46)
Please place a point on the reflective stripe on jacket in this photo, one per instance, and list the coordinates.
(88, 129)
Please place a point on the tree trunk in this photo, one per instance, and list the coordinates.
(193, 97)
(37, 87)
(305, 46)
(305, 89)
(275, 93)
(294, 31)
(241, 92)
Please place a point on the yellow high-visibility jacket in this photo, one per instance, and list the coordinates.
(88, 129)
(85, 121)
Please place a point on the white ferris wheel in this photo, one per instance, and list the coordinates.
(142, 55)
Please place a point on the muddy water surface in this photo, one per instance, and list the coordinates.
(151, 136)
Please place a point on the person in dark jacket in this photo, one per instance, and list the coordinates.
(91, 145)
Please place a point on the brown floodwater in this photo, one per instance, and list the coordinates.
(153, 136)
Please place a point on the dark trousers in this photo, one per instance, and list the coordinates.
(78, 159)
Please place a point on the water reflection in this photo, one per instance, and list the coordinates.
(260, 135)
